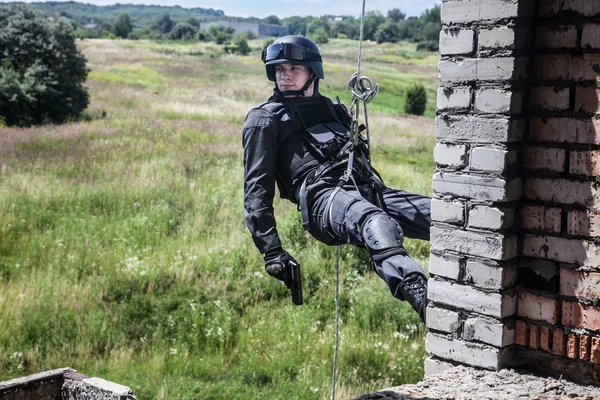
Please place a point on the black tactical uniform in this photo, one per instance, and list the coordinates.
(301, 146)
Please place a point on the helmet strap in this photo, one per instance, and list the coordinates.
(300, 93)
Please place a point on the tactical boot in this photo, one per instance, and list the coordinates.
(414, 290)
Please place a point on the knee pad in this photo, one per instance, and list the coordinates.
(383, 236)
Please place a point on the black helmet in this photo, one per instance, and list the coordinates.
(293, 49)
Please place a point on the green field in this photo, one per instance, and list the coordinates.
(123, 248)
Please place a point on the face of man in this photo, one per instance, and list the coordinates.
(293, 77)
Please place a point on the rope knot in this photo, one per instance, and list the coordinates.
(363, 88)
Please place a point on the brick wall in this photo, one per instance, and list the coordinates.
(515, 259)
(558, 317)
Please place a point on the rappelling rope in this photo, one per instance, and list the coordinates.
(363, 90)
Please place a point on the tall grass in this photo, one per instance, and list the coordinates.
(124, 254)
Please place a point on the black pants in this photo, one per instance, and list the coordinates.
(350, 208)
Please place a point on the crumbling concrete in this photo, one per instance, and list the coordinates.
(63, 384)
(464, 383)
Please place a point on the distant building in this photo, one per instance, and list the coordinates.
(241, 27)
(90, 27)
(63, 19)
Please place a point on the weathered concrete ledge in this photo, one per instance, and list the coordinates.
(466, 383)
(63, 384)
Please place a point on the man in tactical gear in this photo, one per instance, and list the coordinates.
(298, 140)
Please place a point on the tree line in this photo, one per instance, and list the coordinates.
(392, 27)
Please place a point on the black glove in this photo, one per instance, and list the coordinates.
(276, 261)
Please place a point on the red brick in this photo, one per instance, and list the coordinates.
(546, 338)
(590, 37)
(550, 98)
(559, 342)
(565, 67)
(565, 130)
(578, 223)
(538, 308)
(541, 218)
(558, 67)
(571, 314)
(534, 337)
(585, 163)
(595, 352)
(585, 347)
(579, 283)
(521, 333)
(573, 346)
(572, 251)
(585, 7)
(586, 99)
(581, 316)
(550, 8)
(587, 68)
(556, 37)
(545, 158)
(591, 318)
(563, 191)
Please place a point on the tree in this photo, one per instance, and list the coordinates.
(396, 15)
(296, 25)
(319, 30)
(164, 24)
(182, 31)
(387, 32)
(415, 100)
(41, 70)
(373, 19)
(272, 20)
(123, 26)
(194, 21)
(347, 26)
(429, 26)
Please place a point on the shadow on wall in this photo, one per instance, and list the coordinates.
(559, 271)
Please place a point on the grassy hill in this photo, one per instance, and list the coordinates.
(123, 249)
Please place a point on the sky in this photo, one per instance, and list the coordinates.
(283, 8)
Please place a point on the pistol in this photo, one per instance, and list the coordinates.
(294, 280)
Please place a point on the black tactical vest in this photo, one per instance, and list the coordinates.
(326, 125)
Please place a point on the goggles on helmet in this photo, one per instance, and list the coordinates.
(289, 51)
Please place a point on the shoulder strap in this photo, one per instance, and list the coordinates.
(271, 106)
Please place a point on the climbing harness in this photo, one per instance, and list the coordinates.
(363, 91)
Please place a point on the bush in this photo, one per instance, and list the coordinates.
(319, 36)
(267, 43)
(41, 70)
(238, 47)
(416, 100)
(220, 34)
(428, 46)
(182, 31)
(136, 35)
(249, 35)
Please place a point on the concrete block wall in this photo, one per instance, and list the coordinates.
(558, 313)
(515, 254)
(485, 69)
